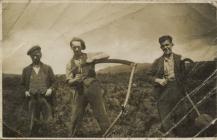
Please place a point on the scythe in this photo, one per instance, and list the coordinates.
(128, 90)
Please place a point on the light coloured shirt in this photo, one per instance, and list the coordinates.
(37, 83)
(169, 68)
(80, 67)
(78, 63)
(36, 69)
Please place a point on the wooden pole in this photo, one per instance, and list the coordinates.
(216, 85)
(125, 102)
(216, 60)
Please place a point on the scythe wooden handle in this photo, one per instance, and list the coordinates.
(126, 99)
(126, 62)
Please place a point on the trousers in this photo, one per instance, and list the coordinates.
(39, 112)
(91, 94)
(168, 98)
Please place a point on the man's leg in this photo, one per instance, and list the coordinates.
(95, 97)
(46, 109)
(31, 107)
(46, 114)
(78, 106)
(164, 109)
(170, 96)
(34, 116)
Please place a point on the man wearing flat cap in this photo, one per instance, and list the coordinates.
(166, 75)
(81, 76)
(38, 79)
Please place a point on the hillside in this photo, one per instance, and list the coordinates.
(124, 68)
(140, 121)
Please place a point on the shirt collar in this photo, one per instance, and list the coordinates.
(81, 56)
(170, 58)
(36, 67)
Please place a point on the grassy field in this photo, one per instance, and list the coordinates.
(141, 118)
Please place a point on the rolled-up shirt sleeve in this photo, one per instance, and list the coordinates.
(101, 55)
(97, 56)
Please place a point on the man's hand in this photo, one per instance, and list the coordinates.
(162, 82)
(77, 78)
(27, 94)
(133, 64)
(48, 92)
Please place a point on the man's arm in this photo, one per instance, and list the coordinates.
(51, 77)
(69, 74)
(101, 55)
(23, 78)
(71, 78)
(96, 57)
(23, 82)
(151, 73)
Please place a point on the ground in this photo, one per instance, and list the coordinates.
(141, 118)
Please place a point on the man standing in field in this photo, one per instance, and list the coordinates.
(166, 75)
(81, 75)
(38, 79)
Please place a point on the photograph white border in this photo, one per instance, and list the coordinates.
(213, 2)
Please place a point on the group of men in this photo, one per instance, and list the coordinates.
(38, 80)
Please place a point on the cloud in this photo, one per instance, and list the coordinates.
(126, 31)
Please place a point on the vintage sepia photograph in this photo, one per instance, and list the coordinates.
(109, 69)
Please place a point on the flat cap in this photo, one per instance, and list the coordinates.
(33, 49)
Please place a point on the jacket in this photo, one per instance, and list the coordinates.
(157, 69)
(27, 71)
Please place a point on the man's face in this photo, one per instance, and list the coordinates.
(76, 47)
(36, 56)
(166, 47)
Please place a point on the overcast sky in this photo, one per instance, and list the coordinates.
(124, 31)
